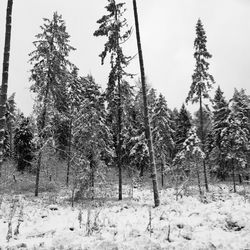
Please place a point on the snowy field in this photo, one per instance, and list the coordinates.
(220, 221)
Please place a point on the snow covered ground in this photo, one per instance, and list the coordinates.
(220, 221)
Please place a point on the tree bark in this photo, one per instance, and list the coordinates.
(202, 142)
(5, 76)
(119, 116)
(41, 134)
(198, 178)
(146, 118)
(69, 153)
(119, 146)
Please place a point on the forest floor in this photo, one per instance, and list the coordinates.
(218, 220)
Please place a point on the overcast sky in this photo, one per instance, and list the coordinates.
(167, 34)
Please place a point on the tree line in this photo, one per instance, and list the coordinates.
(127, 125)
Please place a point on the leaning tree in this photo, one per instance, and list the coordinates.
(146, 116)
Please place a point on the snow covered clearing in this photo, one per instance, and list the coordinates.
(220, 221)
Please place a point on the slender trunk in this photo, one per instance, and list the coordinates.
(119, 146)
(11, 140)
(69, 153)
(162, 175)
(40, 150)
(162, 171)
(234, 184)
(5, 76)
(92, 169)
(38, 173)
(119, 115)
(240, 176)
(202, 141)
(198, 178)
(146, 118)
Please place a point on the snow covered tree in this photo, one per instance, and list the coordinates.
(182, 126)
(235, 135)
(219, 122)
(202, 81)
(50, 72)
(191, 155)
(114, 26)
(162, 134)
(23, 144)
(90, 135)
(5, 75)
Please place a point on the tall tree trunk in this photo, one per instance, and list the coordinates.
(202, 141)
(146, 118)
(162, 174)
(41, 134)
(5, 75)
(198, 177)
(92, 175)
(69, 153)
(162, 170)
(119, 116)
(119, 146)
(11, 139)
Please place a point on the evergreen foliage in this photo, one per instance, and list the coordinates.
(114, 26)
(202, 81)
(23, 144)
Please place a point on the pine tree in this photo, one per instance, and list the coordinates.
(113, 25)
(202, 81)
(5, 75)
(50, 72)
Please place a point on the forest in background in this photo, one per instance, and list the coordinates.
(127, 125)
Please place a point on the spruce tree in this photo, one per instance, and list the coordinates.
(162, 134)
(182, 126)
(202, 81)
(114, 26)
(191, 155)
(50, 72)
(219, 122)
(23, 144)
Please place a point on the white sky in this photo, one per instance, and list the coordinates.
(167, 34)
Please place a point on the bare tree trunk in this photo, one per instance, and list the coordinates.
(119, 118)
(162, 171)
(41, 134)
(69, 153)
(5, 76)
(146, 118)
(202, 141)
(119, 146)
